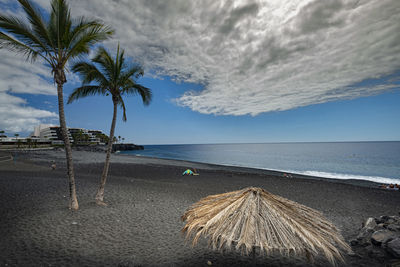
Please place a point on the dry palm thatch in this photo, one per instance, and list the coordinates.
(252, 217)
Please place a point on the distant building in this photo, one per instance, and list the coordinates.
(53, 133)
(91, 134)
(39, 128)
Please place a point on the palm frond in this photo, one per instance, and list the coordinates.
(81, 26)
(38, 25)
(252, 217)
(22, 33)
(85, 35)
(52, 29)
(122, 105)
(132, 88)
(16, 46)
(84, 91)
(119, 63)
(89, 73)
(133, 72)
(106, 62)
(60, 19)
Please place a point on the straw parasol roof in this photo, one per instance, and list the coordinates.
(254, 218)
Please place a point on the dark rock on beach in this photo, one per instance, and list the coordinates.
(393, 247)
(125, 147)
(379, 238)
(370, 223)
(90, 148)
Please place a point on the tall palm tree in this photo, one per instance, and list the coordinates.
(115, 78)
(56, 40)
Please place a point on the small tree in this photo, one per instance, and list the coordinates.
(85, 138)
(29, 142)
(113, 77)
(103, 138)
(18, 140)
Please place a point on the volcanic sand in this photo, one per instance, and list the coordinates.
(146, 198)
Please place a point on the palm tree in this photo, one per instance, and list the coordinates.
(115, 140)
(55, 40)
(29, 142)
(17, 140)
(115, 78)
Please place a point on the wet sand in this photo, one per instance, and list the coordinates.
(146, 197)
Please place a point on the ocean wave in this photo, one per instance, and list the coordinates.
(322, 174)
(376, 179)
(330, 175)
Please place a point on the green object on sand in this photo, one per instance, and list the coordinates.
(189, 172)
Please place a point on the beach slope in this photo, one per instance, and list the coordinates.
(146, 197)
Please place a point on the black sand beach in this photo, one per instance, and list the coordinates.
(146, 198)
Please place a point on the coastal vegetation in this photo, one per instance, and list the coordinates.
(80, 138)
(55, 41)
(112, 77)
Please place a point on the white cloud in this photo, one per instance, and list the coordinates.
(20, 76)
(257, 56)
(16, 117)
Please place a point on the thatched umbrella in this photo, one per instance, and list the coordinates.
(254, 218)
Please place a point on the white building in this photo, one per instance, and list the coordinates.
(39, 128)
(53, 133)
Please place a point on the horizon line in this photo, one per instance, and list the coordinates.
(281, 142)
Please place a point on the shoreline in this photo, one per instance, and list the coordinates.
(373, 161)
(293, 174)
(357, 182)
(88, 157)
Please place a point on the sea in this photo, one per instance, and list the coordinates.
(371, 161)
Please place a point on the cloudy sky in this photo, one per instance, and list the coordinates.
(232, 71)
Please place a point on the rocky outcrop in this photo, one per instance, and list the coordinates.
(124, 147)
(90, 148)
(393, 247)
(370, 223)
(379, 238)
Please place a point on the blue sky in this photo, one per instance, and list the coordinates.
(313, 77)
(373, 118)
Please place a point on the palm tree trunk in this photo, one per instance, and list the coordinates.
(100, 191)
(73, 204)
